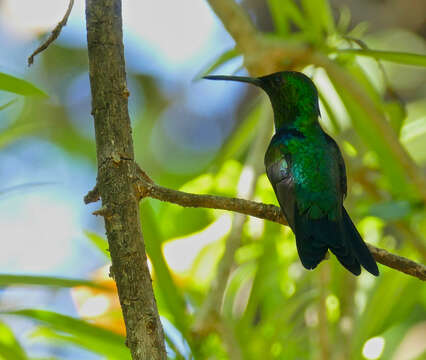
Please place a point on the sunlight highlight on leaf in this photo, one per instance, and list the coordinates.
(373, 348)
(181, 253)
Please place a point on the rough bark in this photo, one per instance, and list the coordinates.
(116, 174)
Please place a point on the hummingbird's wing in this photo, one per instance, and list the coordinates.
(279, 176)
(311, 247)
(359, 249)
(340, 164)
(278, 162)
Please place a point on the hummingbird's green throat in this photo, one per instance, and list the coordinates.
(293, 96)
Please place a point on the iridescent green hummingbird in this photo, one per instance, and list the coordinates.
(308, 175)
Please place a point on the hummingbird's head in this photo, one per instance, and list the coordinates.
(293, 95)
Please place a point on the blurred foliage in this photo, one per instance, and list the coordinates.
(272, 308)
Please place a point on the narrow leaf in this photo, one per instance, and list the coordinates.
(10, 280)
(279, 16)
(331, 115)
(9, 103)
(172, 295)
(9, 345)
(18, 131)
(103, 340)
(323, 12)
(96, 346)
(99, 242)
(19, 86)
(294, 13)
(391, 56)
(222, 59)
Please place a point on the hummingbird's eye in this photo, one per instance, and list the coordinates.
(277, 80)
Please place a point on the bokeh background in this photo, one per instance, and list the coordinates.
(57, 301)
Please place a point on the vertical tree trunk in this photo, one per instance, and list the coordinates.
(116, 175)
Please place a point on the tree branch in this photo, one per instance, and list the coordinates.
(54, 34)
(236, 23)
(116, 174)
(248, 207)
(263, 211)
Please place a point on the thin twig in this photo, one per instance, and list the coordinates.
(54, 34)
(399, 263)
(92, 196)
(248, 207)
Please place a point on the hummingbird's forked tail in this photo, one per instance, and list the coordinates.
(315, 236)
(359, 248)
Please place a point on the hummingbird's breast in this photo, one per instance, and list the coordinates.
(313, 169)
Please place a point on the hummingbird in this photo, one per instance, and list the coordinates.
(307, 172)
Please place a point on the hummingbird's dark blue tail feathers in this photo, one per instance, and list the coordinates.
(315, 236)
(359, 248)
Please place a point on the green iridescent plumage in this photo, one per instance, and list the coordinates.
(307, 173)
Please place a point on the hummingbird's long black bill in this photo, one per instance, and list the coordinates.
(246, 79)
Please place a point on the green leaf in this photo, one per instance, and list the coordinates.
(10, 280)
(80, 341)
(222, 59)
(240, 277)
(344, 19)
(391, 56)
(364, 79)
(320, 18)
(396, 113)
(18, 131)
(99, 242)
(331, 115)
(18, 86)
(92, 337)
(324, 13)
(279, 16)
(9, 103)
(171, 293)
(393, 337)
(295, 15)
(9, 346)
